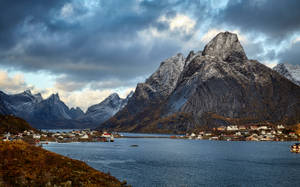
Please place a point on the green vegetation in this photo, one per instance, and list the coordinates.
(22, 164)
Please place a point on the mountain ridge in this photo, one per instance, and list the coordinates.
(50, 112)
(220, 81)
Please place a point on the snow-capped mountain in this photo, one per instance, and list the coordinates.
(96, 114)
(214, 87)
(291, 72)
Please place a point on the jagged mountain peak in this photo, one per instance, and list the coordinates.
(176, 59)
(28, 92)
(190, 55)
(38, 97)
(130, 94)
(113, 96)
(291, 72)
(225, 45)
(219, 81)
(76, 112)
(164, 79)
(76, 108)
(54, 97)
(102, 111)
(112, 99)
(34, 97)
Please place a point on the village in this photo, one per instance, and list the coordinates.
(247, 133)
(223, 133)
(41, 137)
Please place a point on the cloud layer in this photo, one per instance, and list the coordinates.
(100, 45)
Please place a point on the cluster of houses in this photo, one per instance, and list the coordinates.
(72, 136)
(26, 134)
(83, 135)
(247, 133)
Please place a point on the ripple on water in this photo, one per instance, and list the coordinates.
(167, 162)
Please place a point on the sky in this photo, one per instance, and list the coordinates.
(85, 50)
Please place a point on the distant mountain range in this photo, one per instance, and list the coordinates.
(209, 88)
(97, 114)
(53, 113)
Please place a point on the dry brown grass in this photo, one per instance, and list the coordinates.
(22, 164)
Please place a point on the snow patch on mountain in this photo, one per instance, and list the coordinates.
(107, 108)
(291, 72)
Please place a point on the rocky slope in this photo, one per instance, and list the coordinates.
(52, 109)
(96, 114)
(22, 164)
(157, 87)
(220, 81)
(76, 113)
(291, 72)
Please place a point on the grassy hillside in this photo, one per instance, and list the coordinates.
(14, 125)
(24, 165)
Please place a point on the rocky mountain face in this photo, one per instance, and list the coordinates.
(52, 109)
(76, 113)
(41, 113)
(97, 114)
(3, 109)
(291, 72)
(218, 86)
(19, 103)
(157, 87)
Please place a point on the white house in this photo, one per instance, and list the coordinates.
(36, 136)
(238, 133)
(232, 128)
(84, 136)
(263, 127)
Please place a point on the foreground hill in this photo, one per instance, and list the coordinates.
(24, 165)
(14, 125)
(210, 88)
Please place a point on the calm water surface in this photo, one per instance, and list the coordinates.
(169, 162)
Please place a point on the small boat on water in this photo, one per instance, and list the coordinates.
(295, 148)
(112, 139)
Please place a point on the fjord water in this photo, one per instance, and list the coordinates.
(174, 162)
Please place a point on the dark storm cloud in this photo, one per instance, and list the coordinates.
(14, 13)
(93, 40)
(291, 55)
(275, 18)
(104, 42)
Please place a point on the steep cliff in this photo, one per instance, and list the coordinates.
(220, 81)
